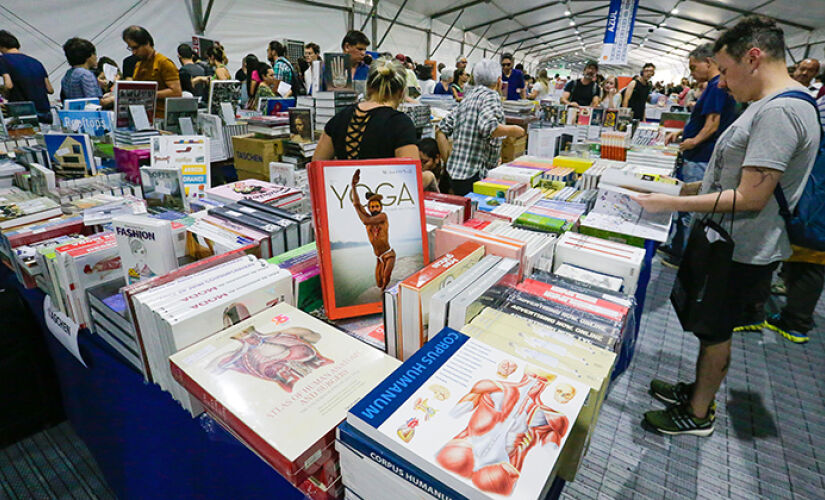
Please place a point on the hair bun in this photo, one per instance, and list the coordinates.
(385, 70)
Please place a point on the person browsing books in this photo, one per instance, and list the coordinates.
(281, 67)
(611, 98)
(312, 53)
(152, 66)
(355, 44)
(373, 128)
(267, 85)
(27, 78)
(583, 91)
(476, 127)
(460, 78)
(433, 176)
(445, 79)
(80, 81)
(190, 71)
(773, 143)
(638, 90)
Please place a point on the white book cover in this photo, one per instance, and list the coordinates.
(483, 422)
(282, 380)
(189, 154)
(145, 245)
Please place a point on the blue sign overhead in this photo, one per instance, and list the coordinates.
(619, 31)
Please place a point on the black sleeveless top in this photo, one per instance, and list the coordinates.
(639, 98)
(377, 133)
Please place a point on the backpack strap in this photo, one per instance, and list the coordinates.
(784, 207)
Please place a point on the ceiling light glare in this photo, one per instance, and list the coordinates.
(566, 12)
(674, 11)
(572, 22)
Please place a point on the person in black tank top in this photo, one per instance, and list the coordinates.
(637, 92)
(373, 128)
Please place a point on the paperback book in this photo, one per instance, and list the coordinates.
(163, 189)
(94, 123)
(370, 230)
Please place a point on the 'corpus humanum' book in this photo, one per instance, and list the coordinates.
(483, 422)
(370, 230)
(281, 381)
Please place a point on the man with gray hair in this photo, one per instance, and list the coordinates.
(476, 127)
(461, 62)
(713, 112)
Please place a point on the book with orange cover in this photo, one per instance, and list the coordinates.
(370, 230)
(451, 236)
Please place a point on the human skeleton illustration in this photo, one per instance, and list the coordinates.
(283, 357)
(507, 420)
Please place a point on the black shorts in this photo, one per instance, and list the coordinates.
(749, 287)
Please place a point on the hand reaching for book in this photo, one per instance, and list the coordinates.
(339, 72)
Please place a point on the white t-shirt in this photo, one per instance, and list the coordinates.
(544, 91)
(427, 86)
(615, 102)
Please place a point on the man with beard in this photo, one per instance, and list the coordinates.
(377, 224)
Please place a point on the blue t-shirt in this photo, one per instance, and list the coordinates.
(441, 89)
(79, 83)
(514, 82)
(29, 79)
(712, 100)
(361, 71)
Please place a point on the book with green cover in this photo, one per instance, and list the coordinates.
(635, 241)
(542, 223)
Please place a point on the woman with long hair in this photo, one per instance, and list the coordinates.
(610, 90)
(541, 90)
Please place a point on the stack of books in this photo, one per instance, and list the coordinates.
(127, 137)
(18, 207)
(177, 314)
(269, 126)
(328, 104)
(307, 102)
(111, 321)
(302, 264)
(272, 229)
(507, 189)
(288, 198)
(439, 213)
(660, 158)
(301, 373)
(298, 154)
(603, 256)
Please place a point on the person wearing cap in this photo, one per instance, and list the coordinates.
(585, 90)
(412, 79)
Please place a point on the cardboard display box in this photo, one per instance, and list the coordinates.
(253, 155)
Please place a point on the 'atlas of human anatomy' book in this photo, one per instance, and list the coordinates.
(483, 422)
(281, 381)
(370, 228)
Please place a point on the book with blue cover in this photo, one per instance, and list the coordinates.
(95, 123)
(80, 104)
(70, 155)
(480, 421)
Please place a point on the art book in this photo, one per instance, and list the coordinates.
(70, 154)
(300, 125)
(337, 74)
(370, 229)
(134, 94)
(163, 189)
(190, 154)
(80, 104)
(300, 374)
(94, 123)
(252, 189)
(483, 422)
(145, 246)
(224, 91)
(177, 108)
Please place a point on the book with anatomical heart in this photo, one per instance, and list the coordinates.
(337, 74)
(483, 422)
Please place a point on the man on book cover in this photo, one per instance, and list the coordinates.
(284, 357)
(378, 227)
(507, 420)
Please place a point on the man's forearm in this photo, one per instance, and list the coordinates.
(710, 128)
(704, 203)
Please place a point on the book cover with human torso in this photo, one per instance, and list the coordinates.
(370, 229)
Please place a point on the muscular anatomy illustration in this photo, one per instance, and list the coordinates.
(378, 226)
(507, 420)
(284, 357)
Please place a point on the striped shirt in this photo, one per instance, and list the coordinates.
(79, 83)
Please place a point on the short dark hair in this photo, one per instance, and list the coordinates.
(703, 52)
(217, 52)
(355, 37)
(648, 65)
(753, 31)
(591, 64)
(101, 61)
(277, 47)
(8, 41)
(78, 50)
(457, 73)
(520, 67)
(429, 147)
(313, 47)
(139, 35)
(506, 55)
(185, 51)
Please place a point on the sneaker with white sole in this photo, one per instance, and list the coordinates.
(677, 420)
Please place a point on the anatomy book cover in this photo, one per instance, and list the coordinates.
(484, 422)
(370, 229)
(281, 380)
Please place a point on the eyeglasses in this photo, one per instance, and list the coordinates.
(132, 49)
(506, 65)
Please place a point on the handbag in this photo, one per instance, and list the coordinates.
(700, 292)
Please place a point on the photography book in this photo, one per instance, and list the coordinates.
(337, 74)
(370, 230)
(224, 91)
(70, 155)
(177, 108)
(163, 189)
(189, 154)
(134, 94)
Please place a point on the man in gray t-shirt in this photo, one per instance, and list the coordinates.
(772, 142)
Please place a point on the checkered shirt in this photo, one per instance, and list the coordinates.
(283, 70)
(470, 125)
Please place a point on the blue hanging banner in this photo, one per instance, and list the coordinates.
(619, 31)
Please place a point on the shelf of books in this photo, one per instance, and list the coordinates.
(327, 327)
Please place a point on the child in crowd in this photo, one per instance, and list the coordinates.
(434, 176)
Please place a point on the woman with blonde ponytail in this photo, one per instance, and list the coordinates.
(373, 128)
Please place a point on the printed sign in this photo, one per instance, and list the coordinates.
(619, 31)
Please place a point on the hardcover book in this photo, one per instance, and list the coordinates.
(337, 74)
(177, 108)
(370, 230)
(145, 246)
(483, 422)
(301, 128)
(163, 188)
(252, 189)
(94, 123)
(189, 154)
(224, 91)
(70, 155)
(300, 374)
(133, 93)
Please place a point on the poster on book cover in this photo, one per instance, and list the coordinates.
(190, 154)
(619, 31)
(374, 229)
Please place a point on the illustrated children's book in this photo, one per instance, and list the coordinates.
(370, 228)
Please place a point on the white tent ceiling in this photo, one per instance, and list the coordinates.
(538, 31)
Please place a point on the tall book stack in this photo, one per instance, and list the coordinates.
(175, 315)
(303, 376)
(427, 438)
(284, 197)
(298, 154)
(327, 104)
(18, 207)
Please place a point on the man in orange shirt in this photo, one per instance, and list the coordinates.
(152, 66)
